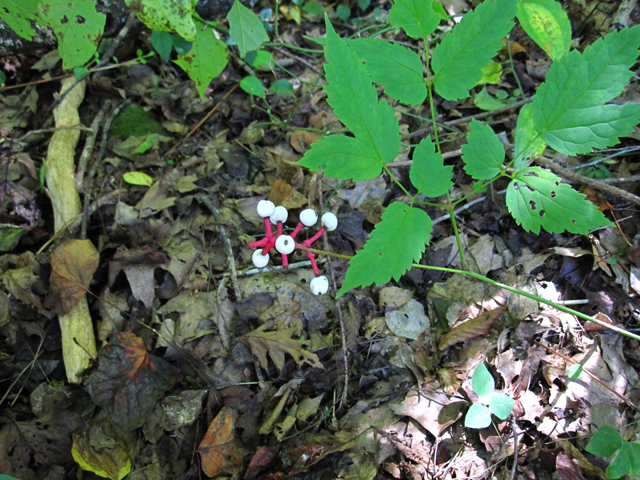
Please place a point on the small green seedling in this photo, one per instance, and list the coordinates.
(501, 405)
(607, 442)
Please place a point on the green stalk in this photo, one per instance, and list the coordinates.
(517, 291)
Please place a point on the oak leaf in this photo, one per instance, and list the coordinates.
(277, 344)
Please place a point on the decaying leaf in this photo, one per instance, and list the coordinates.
(129, 381)
(471, 329)
(218, 450)
(276, 344)
(72, 267)
(97, 450)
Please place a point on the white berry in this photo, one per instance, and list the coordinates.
(319, 285)
(266, 208)
(280, 215)
(308, 217)
(285, 244)
(260, 260)
(329, 221)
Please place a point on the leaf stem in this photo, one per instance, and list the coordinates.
(393, 177)
(454, 224)
(517, 291)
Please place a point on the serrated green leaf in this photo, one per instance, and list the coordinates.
(206, 60)
(547, 24)
(18, 14)
(395, 67)
(78, 28)
(569, 107)
(605, 442)
(575, 371)
(458, 60)
(428, 172)
(484, 101)
(253, 86)
(166, 16)
(483, 154)
(482, 381)
(396, 242)
(620, 464)
(246, 28)
(416, 17)
(501, 405)
(634, 457)
(528, 144)
(355, 102)
(478, 416)
(537, 198)
(138, 178)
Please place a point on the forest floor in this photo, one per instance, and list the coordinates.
(205, 365)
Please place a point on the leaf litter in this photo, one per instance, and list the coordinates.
(264, 371)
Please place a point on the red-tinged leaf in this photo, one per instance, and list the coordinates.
(568, 469)
(72, 267)
(129, 381)
(263, 457)
(219, 452)
(471, 329)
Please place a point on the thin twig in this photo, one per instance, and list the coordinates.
(204, 198)
(571, 360)
(87, 151)
(592, 182)
(170, 151)
(96, 163)
(420, 132)
(514, 428)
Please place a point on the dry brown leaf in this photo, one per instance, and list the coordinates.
(471, 329)
(72, 267)
(219, 452)
(301, 140)
(276, 344)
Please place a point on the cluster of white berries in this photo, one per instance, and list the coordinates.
(286, 244)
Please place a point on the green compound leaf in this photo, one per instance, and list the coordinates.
(483, 154)
(206, 59)
(416, 17)
(78, 27)
(458, 60)
(355, 102)
(620, 464)
(395, 67)
(569, 107)
(537, 198)
(396, 242)
(604, 442)
(482, 381)
(501, 405)
(547, 24)
(166, 16)
(246, 28)
(528, 144)
(478, 416)
(428, 172)
(18, 16)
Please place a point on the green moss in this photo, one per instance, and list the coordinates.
(135, 121)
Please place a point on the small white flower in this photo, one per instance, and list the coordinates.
(308, 217)
(285, 244)
(329, 221)
(266, 208)
(319, 285)
(280, 215)
(260, 260)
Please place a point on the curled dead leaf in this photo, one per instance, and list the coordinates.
(471, 329)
